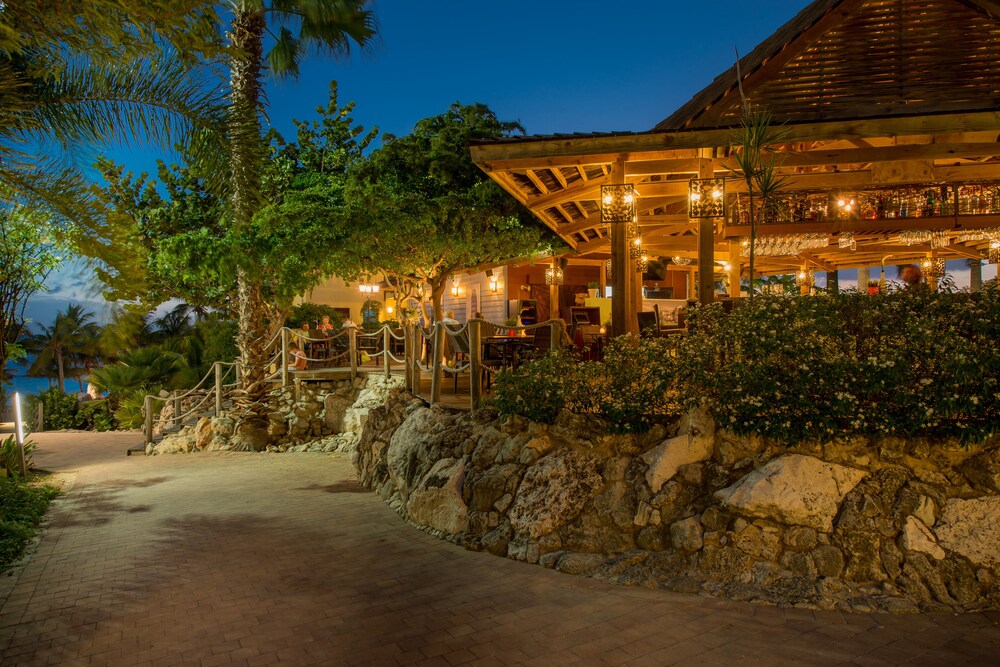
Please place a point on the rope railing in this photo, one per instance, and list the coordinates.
(204, 395)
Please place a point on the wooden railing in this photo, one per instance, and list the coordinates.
(423, 354)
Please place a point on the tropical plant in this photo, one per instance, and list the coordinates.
(70, 342)
(10, 455)
(58, 409)
(90, 73)
(757, 164)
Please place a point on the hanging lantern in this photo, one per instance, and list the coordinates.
(681, 261)
(804, 278)
(994, 252)
(618, 203)
(707, 198)
(642, 263)
(932, 268)
(553, 276)
(635, 248)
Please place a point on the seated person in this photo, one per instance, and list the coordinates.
(449, 318)
(298, 358)
(325, 324)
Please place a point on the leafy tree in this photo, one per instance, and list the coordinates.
(27, 256)
(419, 209)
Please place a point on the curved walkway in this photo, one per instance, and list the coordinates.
(279, 559)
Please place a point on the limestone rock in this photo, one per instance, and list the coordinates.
(554, 491)
(671, 454)
(179, 443)
(971, 528)
(437, 501)
(411, 453)
(761, 544)
(864, 556)
(795, 489)
(335, 408)
(829, 560)
(203, 432)
(918, 537)
(250, 437)
(983, 471)
(577, 563)
(802, 538)
(686, 534)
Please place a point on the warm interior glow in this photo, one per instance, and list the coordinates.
(695, 196)
(716, 193)
(607, 200)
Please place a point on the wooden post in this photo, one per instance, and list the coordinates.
(284, 357)
(804, 286)
(352, 350)
(556, 333)
(177, 409)
(620, 268)
(386, 338)
(706, 245)
(734, 269)
(218, 388)
(407, 367)
(436, 350)
(418, 346)
(602, 282)
(690, 284)
(147, 408)
(553, 295)
(40, 417)
(475, 363)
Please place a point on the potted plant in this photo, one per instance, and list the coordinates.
(592, 288)
(511, 322)
(873, 287)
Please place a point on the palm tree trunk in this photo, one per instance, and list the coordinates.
(59, 368)
(247, 36)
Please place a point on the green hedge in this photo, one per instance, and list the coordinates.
(906, 363)
(61, 411)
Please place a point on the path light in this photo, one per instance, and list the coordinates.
(19, 433)
(618, 203)
(707, 198)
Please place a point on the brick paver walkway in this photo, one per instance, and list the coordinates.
(279, 559)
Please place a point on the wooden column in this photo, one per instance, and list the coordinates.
(932, 281)
(690, 283)
(863, 277)
(620, 311)
(706, 245)
(475, 364)
(833, 281)
(602, 281)
(554, 295)
(734, 269)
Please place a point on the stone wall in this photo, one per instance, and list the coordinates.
(857, 526)
(315, 417)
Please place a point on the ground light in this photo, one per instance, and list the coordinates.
(19, 433)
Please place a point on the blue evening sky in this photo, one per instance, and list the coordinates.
(556, 66)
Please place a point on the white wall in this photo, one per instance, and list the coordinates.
(492, 305)
(335, 292)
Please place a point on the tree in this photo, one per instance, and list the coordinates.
(757, 165)
(91, 72)
(68, 341)
(327, 26)
(419, 209)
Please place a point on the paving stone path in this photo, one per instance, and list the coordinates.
(234, 559)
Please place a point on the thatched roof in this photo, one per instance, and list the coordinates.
(856, 59)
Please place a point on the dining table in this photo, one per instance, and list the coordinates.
(507, 349)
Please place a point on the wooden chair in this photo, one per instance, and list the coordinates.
(649, 324)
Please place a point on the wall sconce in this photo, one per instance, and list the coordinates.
(553, 276)
(993, 254)
(618, 203)
(369, 288)
(707, 198)
(494, 285)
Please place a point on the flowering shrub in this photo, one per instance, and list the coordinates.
(899, 363)
(631, 389)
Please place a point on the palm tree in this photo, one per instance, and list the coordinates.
(71, 337)
(104, 71)
(326, 26)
